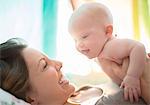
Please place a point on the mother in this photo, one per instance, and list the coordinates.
(31, 76)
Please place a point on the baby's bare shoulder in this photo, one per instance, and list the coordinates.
(121, 44)
(119, 48)
(117, 41)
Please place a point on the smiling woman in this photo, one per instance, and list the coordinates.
(46, 79)
(35, 79)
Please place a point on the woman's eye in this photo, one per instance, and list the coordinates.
(45, 65)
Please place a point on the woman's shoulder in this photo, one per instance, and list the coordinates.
(86, 95)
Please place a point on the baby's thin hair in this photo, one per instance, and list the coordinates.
(94, 8)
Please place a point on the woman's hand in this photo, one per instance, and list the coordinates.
(132, 90)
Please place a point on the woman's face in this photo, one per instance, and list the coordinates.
(48, 86)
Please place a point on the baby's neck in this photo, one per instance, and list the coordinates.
(107, 40)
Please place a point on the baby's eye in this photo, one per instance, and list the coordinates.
(85, 36)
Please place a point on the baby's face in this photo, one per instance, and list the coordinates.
(89, 36)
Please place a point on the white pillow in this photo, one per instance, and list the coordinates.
(8, 99)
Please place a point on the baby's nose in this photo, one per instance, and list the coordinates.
(80, 45)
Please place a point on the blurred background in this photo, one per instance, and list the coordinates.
(43, 24)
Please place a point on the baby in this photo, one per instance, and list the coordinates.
(91, 26)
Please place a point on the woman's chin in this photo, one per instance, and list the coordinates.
(72, 89)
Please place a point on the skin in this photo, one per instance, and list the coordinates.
(85, 93)
(86, 32)
(91, 28)
(48, 85)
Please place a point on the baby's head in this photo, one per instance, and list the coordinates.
(91, 26)
(92, 12)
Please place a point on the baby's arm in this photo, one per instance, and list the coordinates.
(137, 58)
(121, 70)
(136, 53)
(132, 49)
(131, 82)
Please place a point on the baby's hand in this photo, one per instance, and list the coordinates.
(132, 90)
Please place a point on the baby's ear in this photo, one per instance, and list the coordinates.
(109, 30)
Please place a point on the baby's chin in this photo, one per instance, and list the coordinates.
(90, 57)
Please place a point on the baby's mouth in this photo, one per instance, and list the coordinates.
(85, 51)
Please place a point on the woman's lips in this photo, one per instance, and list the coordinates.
(63, 81)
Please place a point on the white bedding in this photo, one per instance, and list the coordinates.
(8, 99)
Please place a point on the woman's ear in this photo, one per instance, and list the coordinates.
(30, 98)
(109, 30)
(32, 101)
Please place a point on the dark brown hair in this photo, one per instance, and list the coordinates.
(13, 69)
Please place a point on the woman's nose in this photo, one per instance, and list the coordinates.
(58, 65)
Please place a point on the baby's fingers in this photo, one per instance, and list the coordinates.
(122, 85)
(126, 93)
(139, 91)
(135, 94)
(131, 95)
